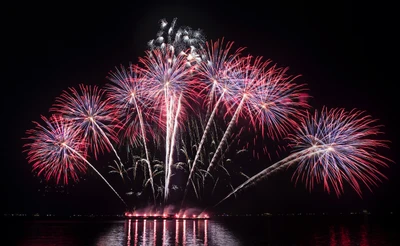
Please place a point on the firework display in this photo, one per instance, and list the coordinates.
(175, 121)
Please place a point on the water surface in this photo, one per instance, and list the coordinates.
(297, 230)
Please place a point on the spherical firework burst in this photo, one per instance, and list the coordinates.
(92, 114)
(129, 97)
(280, 103)
(342, 147)
(218, 59)
(264, 96)
(56, 149)
(165, 75)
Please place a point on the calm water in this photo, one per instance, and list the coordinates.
(303, 230)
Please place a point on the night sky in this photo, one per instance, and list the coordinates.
(343, 51)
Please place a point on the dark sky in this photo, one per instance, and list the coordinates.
(342, 50)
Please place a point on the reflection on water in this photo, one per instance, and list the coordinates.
(114, 236)
(167, 232)
(224, 231)
(345, 238)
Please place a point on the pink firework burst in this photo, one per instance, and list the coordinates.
(128, 93)
(332, 147)
(261, 94)
(218, 59)
(339, 146)
(280, 104)
(168, 79)
(268, 96)
(89, 111)
(56, 150)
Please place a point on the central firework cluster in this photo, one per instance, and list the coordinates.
(186, 110)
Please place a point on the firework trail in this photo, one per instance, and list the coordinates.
(254, 83)
(217, 62)
(93, 115)
(168, 79)
(330, 148)
(58, 151)
(128, 95)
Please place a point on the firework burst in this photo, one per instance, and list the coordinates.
(181, 40)
(332, 147)
(129, 94)
(130, 98)
(58, 151)
(213, 83)
(218, 60)
(169, 81)
(92, 114)
(264, 96)
(345, 147)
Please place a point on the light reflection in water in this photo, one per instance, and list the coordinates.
(144, 232)
(194, 232)
(341, 236)
(364, 236)
(205, 234)
(332, 236)
(186, 232)
(128, 241)
(136, 232)
(210, 232)
(344, 237)
(155, 232)
(116, 235)
(177, 232)
(164, 237)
